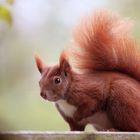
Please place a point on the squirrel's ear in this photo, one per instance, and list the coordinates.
(39, 63)
(64, 64)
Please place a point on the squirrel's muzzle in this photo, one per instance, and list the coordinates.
(43, 95)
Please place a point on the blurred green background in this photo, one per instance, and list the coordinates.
(43, 26)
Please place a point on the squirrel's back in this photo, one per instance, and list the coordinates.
(104, 43)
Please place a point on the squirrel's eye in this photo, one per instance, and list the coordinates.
(57, 80)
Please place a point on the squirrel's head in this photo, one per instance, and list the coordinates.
(55, 80)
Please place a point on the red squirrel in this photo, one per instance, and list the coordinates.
(105, 91)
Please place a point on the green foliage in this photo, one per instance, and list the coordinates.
(5, 14)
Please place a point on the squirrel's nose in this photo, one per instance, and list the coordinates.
(43, 95)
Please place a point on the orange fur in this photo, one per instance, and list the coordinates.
(107, 92)
(105, 44)
(40, 65)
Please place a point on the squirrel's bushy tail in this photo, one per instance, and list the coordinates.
(104, 43)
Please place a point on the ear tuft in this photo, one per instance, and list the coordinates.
(64, 63)
(39, 63)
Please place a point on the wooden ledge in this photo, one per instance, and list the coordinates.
(37, 135)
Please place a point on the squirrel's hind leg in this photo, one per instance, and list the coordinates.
(124, 105)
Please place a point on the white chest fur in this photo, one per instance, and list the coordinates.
(66, 108)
